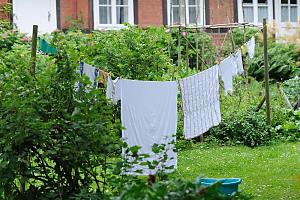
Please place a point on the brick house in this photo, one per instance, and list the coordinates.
(98, 14)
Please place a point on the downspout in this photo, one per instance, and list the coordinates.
(58, 15)
(76, 9)
(274, 12)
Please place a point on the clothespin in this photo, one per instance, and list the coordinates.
(244, 49)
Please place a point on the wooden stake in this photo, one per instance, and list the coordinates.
(286, 99)
(244, 57)
(186, 34)
(197, 51)
(261, 103)
(265, 28)
(179, 33)
(33, 49)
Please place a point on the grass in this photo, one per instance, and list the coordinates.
(269, 172)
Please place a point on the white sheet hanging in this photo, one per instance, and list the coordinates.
(239, 62)
(113, 90)
(228, 69)
(201, 102)
(149, 116)
(251, 47)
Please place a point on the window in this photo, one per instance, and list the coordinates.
(191, 13)
(289, 10)
(112, 13)
(254, 11)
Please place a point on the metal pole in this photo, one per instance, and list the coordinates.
(33, 49)
(265, 28)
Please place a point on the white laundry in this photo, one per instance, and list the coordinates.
(113, 91)
(251, 47)
(89, 71)
(149, 116)
(239, 62)
(201, 102)
(228, 69)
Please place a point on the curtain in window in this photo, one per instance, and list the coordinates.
(175, 9)
(105, 11)
(193, 12)
(248, 14)
(262, 13)
(294, 14)
(122, 11)
(284, 13)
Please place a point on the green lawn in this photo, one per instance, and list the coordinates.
(270, 172)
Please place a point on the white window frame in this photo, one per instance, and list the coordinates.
(278, 18)
(255, 6)
(200, 6)
(114, 24)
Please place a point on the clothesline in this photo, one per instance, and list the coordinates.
(149, 109)
(215, 26)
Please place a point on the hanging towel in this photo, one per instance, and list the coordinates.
(239, 62)
(90, 72)
(149, 116)
(201, 102)
(251, 47)
(228, 69)
(113, 91)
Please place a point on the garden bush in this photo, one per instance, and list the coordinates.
(54, 143)
(170, 190)
(290, 130)
(248, 129)
(292, 89)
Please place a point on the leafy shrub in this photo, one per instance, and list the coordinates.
(169, 190)
(249, 129)
(292, 89)
(54, 143)
(290, 130)
(283, 60)
(10, 38)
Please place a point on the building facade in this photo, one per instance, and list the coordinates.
(112, 14)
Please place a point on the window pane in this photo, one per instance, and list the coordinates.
(284, 1)
(105, 2)
(284, 14)
(262, 13)
(294, 14)
(248, 14)
(247, 1)
(105, 15)
(175, 16)
(175, 2)
(192, 2)
(122, 2)
(293, 1)
(122, 15)
(193, 15)
(262, 1)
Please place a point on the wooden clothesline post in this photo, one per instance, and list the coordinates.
(33, 49)
(244, 57)
(266, 63)
(179, 34)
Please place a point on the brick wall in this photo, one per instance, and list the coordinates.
(75, 11)
(221, 11)
(150, 13)
(218, 38)
(3, 15)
